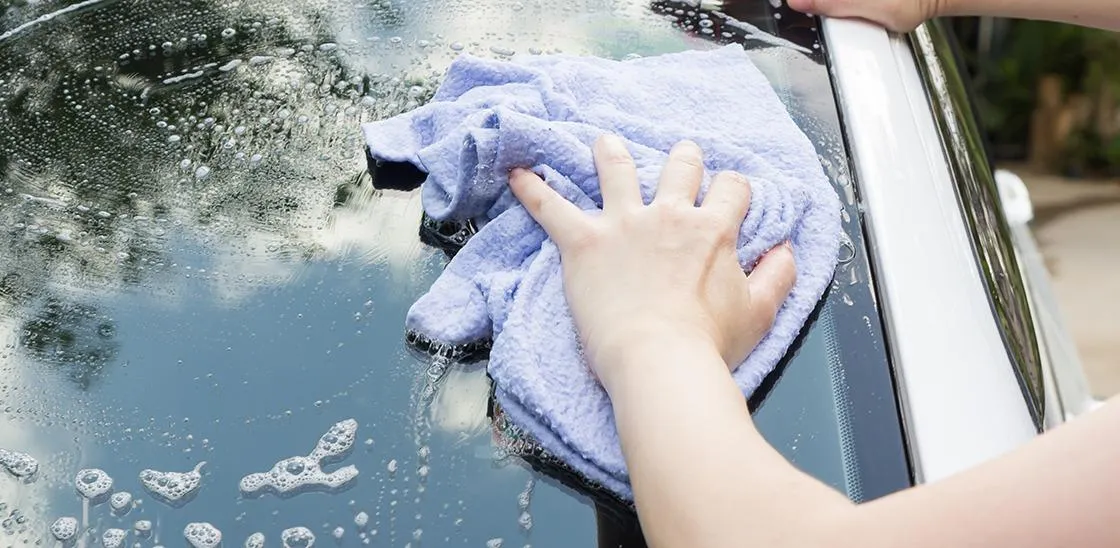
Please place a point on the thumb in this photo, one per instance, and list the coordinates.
(771, 282)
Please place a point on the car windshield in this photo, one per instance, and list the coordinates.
(202, 296)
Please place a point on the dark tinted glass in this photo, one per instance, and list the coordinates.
(195, 268)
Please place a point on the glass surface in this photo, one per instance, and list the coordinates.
(195, 269)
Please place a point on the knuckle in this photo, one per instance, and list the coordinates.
(539, 202)
(767, 306)
(584, 239)
(713, 223)
(727, 236)
(733, 177)
(618, 158)
(671, 213)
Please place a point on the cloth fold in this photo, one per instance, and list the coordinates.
(544, 113)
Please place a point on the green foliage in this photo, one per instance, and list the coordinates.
(1007, 78)
(1111, 154)
(1087, 153)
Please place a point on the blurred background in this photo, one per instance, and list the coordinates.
(1048, 98)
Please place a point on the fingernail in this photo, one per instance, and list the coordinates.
(684, 145)
(611, 139)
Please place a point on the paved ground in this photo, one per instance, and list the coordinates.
(1077, 225)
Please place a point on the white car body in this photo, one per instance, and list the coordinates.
(961, 401)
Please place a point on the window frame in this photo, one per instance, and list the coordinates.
(974, 183)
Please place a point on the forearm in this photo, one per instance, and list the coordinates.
(1061, 489)
(702, 474)
(1103, 14)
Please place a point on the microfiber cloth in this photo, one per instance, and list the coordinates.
(544, 113)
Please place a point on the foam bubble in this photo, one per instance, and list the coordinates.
(20, 465)
(113, 538)
(297, 474)
(361, 519)
(255, 540)
(64, 528)
(202, 535)
(142, 527)
(174, 488)
(297, 537)
(494, 543)
(337, 441)
(92, 483)
(120, 500)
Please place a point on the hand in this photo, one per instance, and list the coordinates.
(639, 274)
(897, 15)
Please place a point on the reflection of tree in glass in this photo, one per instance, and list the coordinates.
(130, 118)
(91, 189)
(74, 338)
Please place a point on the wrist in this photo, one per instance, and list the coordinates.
(646, 350)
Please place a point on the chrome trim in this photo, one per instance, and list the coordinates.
(979, 200)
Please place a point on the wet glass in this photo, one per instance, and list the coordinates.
(202, 296)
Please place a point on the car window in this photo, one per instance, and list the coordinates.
(202, 295)
(980, 203)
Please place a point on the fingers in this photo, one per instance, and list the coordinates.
(729, 196)
(771, 280)
(618, 178)
(561, 219)
(839, 8)
(897, 15)
(804, 6)
(681, 176)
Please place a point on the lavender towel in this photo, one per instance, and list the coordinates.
(544, 112)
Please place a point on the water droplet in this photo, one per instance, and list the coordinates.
(92, 483)
(297, 537)
(64, 528)
(120, 500)
(20, 465)
(202, 535)
(255, 540)
(113, 538)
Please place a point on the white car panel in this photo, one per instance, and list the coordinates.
(961, 401)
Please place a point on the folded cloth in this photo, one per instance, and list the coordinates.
(544, 113)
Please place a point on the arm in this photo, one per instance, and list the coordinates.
(904, 15)
(1061, 489)
(1104, 14)
(702, 474)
